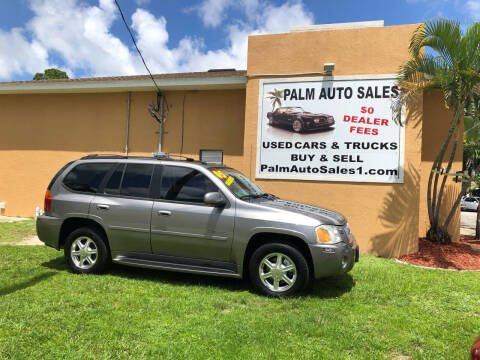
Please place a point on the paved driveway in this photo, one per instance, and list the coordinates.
(467, 222)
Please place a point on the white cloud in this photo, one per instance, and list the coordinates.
(82, 38)
(142, 2)
(81, 35)
(212, 12)
(262, 18)
(19, 56)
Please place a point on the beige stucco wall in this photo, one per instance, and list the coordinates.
(385, 217)
(40, 133)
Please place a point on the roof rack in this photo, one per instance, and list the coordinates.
(162, 156)
(166, 156)
(106, 156)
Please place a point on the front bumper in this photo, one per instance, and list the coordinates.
(329, 260)
(311, 125)
(48, 230)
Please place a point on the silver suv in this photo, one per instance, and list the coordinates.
(189, 216)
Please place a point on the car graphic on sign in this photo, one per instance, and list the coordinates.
(299, 120)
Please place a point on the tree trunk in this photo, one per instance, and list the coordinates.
(438, 233)
(452, 211)
(445, 177)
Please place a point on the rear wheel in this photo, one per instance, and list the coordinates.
(86, 251)
(278, 269)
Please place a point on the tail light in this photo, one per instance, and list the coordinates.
(47, 205)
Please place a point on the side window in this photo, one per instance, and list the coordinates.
(58, 174)
(87, 177)
(136, 180)
(113, 184)
(184, 184)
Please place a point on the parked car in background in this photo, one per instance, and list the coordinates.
(299, 120)
(469, 203)
(189, 216)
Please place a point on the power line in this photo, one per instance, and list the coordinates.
(135, 43)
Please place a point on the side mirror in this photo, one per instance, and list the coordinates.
(214, 199)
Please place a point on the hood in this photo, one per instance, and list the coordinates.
(313, 115)
(323, 215)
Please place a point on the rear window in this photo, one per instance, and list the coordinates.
(113, 184)
(136, 180)
(60, 172)
(87, 177)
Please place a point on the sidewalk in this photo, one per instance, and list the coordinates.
(467, 223)
(4, 219)
(33, 240)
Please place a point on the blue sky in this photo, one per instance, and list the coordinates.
(87, 37)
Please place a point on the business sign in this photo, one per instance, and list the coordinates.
(329, 130)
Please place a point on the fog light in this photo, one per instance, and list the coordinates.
(344, 262)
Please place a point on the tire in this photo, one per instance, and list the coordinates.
(271, 121)
(91, 251)
(275, 285)
(297, 126)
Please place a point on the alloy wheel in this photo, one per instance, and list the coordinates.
(277, 272)
(84, 252)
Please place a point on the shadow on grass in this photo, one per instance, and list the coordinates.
(324, 288)
(331, 287)
(25, 284)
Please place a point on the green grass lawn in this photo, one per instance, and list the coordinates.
(16, 231)
(381, 310)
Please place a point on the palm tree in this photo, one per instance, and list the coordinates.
(275, 97)
(446, 59)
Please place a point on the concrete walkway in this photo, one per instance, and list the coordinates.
(467, 223)
(32, 240)
(4, 219)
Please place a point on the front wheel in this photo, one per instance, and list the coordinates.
(278, 269)
(86, 251)
(297, 126)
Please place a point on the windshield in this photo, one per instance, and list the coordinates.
(241, 186)
(292, 109)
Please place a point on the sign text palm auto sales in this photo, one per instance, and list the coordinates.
(340, 130)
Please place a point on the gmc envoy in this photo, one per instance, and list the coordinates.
(190, 216)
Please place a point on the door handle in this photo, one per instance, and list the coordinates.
(164, 213)
(102, 207)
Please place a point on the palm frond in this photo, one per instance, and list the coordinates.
(441, 35)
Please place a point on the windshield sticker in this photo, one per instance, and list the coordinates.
(219, 174)
(229, 181)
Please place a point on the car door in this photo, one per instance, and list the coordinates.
(124, 208)
(283, 116)
(182, 225)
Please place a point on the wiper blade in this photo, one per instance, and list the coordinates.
(255, 196)
(246, 197)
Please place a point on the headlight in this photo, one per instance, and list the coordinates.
(328, 234)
